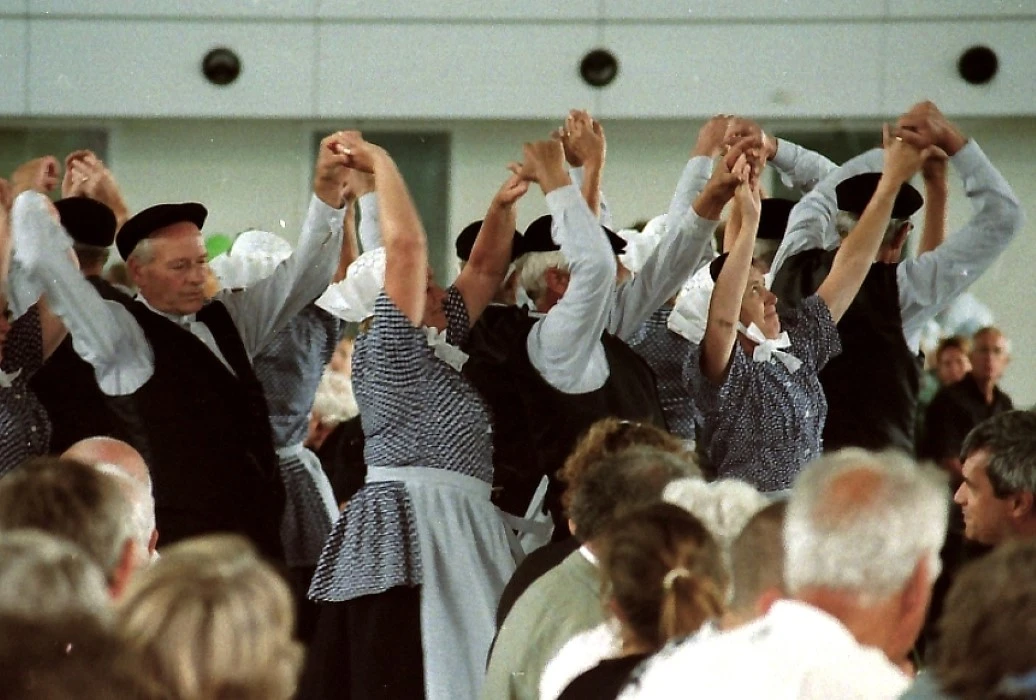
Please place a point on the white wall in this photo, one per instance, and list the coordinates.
(256, 174)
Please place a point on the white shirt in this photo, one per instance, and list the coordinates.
(794, 652)
(929, 282)
(107, 336)
(565, 344)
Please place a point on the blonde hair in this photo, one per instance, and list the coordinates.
(212, 621)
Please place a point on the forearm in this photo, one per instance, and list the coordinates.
(403, 236)
(370, 230)
(934, 232)
(263, 308)
(491, 253)
(42, 251)
(801, 168)
(725, 305)
(811, 222)
(350, 249)
(859, 250)
(591, 187)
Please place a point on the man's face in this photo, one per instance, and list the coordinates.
(986, 517)
(951, 366)
(989, 357)
(174, 280)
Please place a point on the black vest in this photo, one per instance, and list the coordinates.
(552, 419)
(67, 388)
(872, 386)
(205, 433)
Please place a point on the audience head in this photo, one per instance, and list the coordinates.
(990, 355)
(663, 573)
(987, 640)
(74, 501)
(71, 656)
(999, 467)
(121, 461)
(724, 506)
(42, 576)
(211, 620)
(619, 483)
(611, 436)
(951, 359)
(757, 565)
(862, 537)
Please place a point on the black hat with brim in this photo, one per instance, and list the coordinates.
(854, 194)
(466, 241)
(87, 221)
(152, 219)
(537, 238)
(773, 218)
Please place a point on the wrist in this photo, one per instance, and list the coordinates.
(554, 180)
(771, 144)
(954, 142)
(708, 205)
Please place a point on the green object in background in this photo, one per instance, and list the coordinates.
(216, 244)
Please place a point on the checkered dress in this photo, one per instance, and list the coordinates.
(24, 426)
(289, 368)
(664, 351)
(416, 411)
(763, 423)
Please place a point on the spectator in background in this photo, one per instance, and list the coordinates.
(998, 494)
(988, 642)
(74, 501)
(566, 600)
(605, 438)
(121, 460)
(663, 578)
(44, 576)
(862, 535)
(211, 620)
(71, 656)
(959, 407)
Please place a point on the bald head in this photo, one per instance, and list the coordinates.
(106, 450)
(120, 460)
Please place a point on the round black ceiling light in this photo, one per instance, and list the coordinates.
(978, 65)
(221, 66)
(599, 68)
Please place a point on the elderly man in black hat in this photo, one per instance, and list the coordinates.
(872, 386)
(177, 368)
(66, 385)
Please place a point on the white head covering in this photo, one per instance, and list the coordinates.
(656, 226)
(723, 506)
(353, 298)
(253, 256)
(639, 246)
(691, 311)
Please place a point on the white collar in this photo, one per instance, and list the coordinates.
(180, 320)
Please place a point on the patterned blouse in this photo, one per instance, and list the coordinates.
(24, 425)
(664, 351)
(290, 367)
(416, 411)
(763, 423)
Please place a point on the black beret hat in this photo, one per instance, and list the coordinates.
(146, 222)
(716, 266)
(87, 221)
(855, 193)
(466, 241)
(773, 218)
(537, 237)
